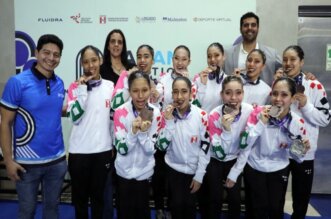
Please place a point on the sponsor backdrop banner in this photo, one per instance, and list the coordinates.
(161, 24)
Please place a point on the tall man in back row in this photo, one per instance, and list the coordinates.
(31, 131)
(236, 55)
(236, 58)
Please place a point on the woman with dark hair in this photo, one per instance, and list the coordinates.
(145, 61)
(115, 61)
(257, 92)
(185, 139)
(115, 56)
(208, 82)
(181, 59)
(226, 123)
(273, 133)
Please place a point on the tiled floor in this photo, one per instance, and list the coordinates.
(320, 208)
(311, 210)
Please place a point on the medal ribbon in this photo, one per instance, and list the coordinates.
(298, 78)
(93, 83)
(247, 81)
(281, 124)
(217, 74)
(177, 116)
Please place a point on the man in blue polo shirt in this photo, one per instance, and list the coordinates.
(31, 132)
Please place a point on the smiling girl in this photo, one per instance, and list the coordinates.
(90, 142)
(256, 90)
(180, 60)
(226, 124)
(186, 141)
(312, 104)
(145, 60)
(270, 140)
(136, 129)
(208, 82)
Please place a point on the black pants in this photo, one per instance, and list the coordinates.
(212, 191)
(108, 210)
(132, 199)
(181, 201)
(267, 192)
(159, 180)
(302, 182)
(88, 176)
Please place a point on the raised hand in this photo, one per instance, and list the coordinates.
(226, 120)
(84, 79)
(279, 73)
(301, 98)
(136, 124)
(168, 112)
(204, 75)
(264, 116)
(237, 71)
(145, 125)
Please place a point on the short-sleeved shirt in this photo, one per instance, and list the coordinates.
(37, 131)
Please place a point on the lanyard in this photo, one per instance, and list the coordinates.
(174, 75)
(247, 81)
(281, 124)
(154, 80)
(93, 83)
(298, 78)
(177, 116)
(217, 74)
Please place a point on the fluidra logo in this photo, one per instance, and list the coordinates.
(50, 20)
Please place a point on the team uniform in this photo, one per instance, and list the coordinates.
(107, 72)
(37, 137)
(121, 92)
(122, 95)
(267, 155)
(90, 144)
(134, 162)
(186, 141)
(256, 92)
(208, 96)
(316, 114)
(225, 147)
(164, 87)
(236, 57)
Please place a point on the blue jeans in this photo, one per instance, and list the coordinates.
(51, 180)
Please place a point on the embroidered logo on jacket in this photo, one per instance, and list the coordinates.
(194, 139)
(107, 101)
